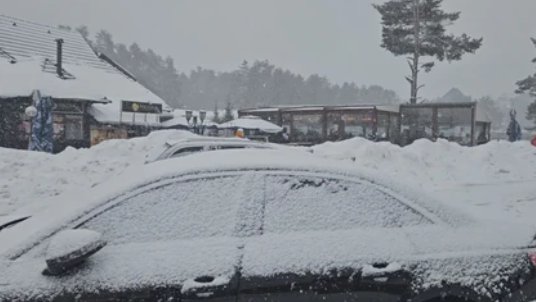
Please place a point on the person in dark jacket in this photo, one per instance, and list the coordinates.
(514, 129)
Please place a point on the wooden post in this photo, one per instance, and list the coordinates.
(324, 125)
(473, 122)
(435, 123)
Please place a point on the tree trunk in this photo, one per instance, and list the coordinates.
(414, 79)
(416, 53)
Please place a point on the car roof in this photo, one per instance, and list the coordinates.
(210, 139)
(172, 146)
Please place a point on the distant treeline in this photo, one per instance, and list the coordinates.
(252, 84)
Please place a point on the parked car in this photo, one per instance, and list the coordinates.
(188, 146)
(262, 225)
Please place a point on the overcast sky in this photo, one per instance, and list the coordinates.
(336, 38)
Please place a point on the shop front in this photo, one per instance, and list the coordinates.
(70, 123)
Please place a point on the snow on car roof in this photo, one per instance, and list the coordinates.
(249, 122)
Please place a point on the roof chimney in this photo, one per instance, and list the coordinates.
(59, 57)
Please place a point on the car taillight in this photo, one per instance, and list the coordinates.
(532, 258)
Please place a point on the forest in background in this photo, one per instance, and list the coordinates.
(251, 84)
(260, 83)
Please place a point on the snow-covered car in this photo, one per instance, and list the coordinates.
(262, 225)
(186, 146)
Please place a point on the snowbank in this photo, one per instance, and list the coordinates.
(497, 179)
(30, 178)
(440, 163)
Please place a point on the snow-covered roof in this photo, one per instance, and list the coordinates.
(28, 62)
(287, 108)
(303, 108)
(251, 122)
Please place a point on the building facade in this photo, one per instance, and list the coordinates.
(92, 98)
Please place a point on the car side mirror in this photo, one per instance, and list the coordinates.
(70, 248)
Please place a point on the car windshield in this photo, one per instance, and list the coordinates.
(268, 150)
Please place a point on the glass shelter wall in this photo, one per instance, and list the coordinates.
(416, 123)
(347, 124)
(455, 124)
(306, 127)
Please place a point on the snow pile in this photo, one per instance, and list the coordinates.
(442, 162)
(30, 178)
(494, 180)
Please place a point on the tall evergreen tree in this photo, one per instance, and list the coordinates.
(528, 86)
(83, 31)
(417, 28)
(104, 43)
(228, 115)
(216, 117)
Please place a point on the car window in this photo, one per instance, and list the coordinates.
(226, 147)
(197, 208)
(186, 151)
(296, 203)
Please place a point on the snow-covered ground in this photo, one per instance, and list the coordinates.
(496, 179)
(29, 179)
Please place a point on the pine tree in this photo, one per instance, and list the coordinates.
(228, 115)
(216, 117)
(82, 29)
(104, 43)
(417, 28)
(528, 86)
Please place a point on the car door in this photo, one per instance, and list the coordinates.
(327, 238)
(174, 240)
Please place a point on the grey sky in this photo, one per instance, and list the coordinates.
(335, 38)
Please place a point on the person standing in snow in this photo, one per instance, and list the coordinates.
(514, 129)
(533, 141)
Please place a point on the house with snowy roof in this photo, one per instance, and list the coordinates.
(94, 98)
